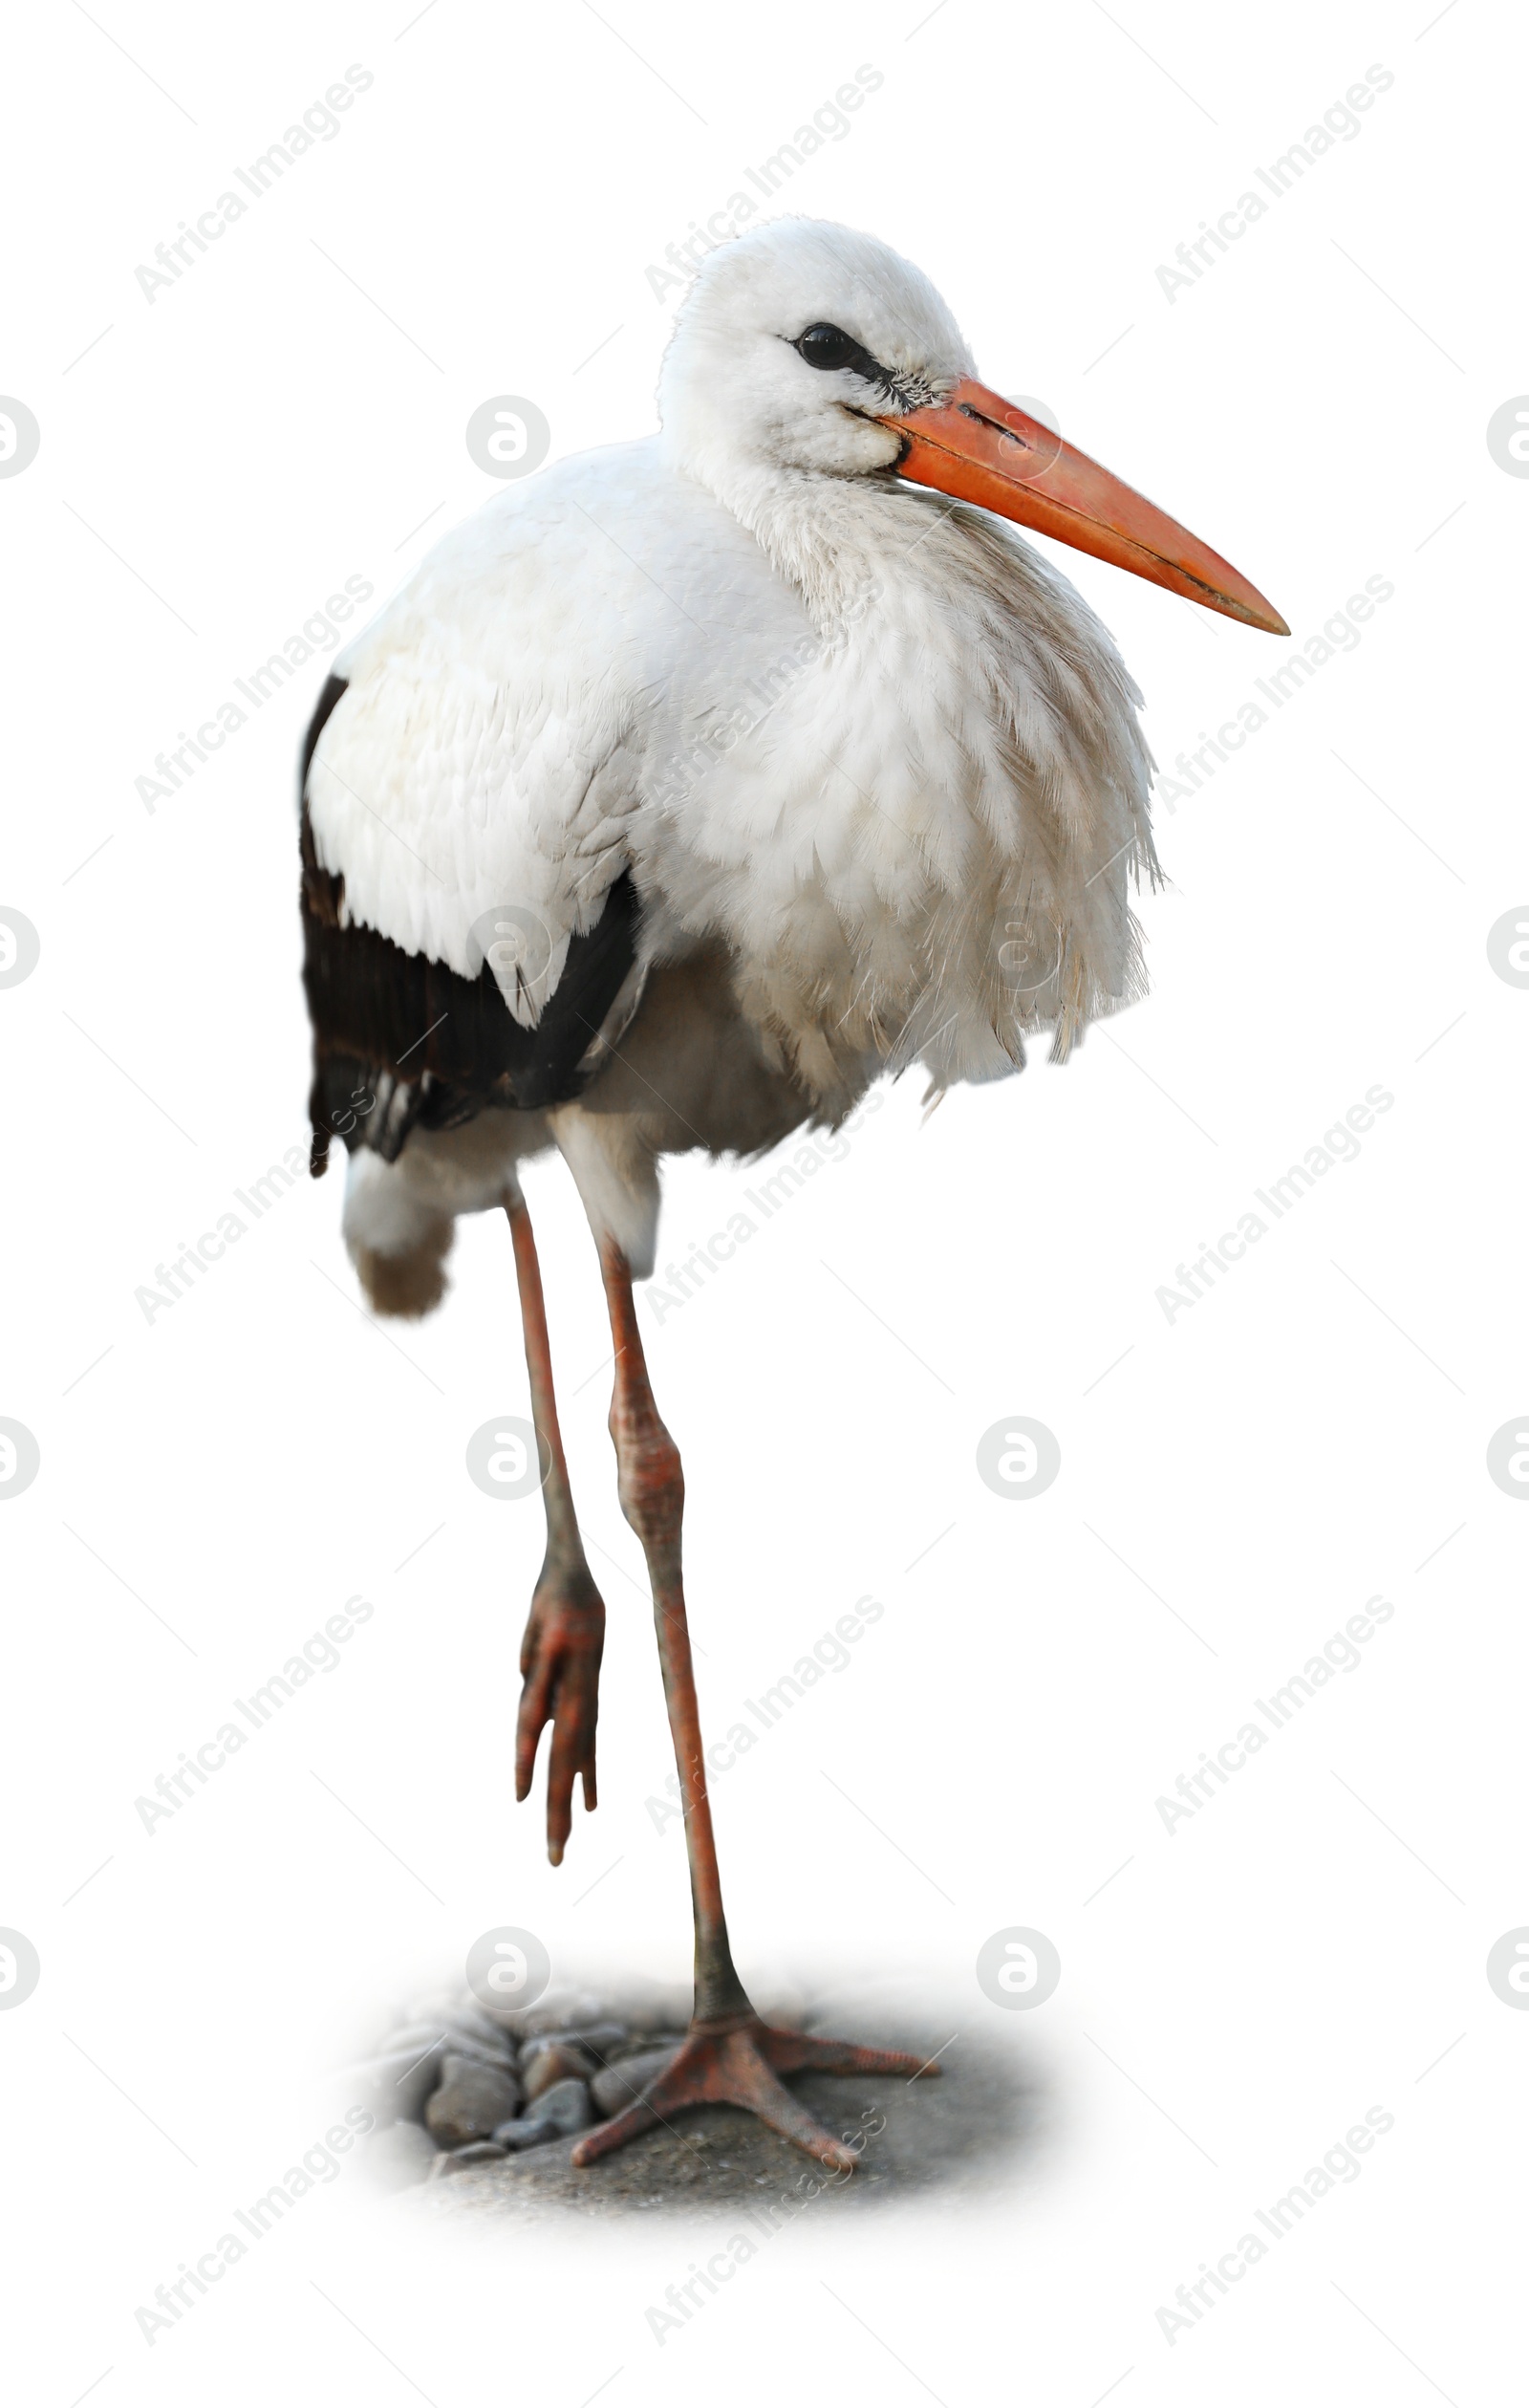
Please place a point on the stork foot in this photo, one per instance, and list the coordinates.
(560, 1668)
(739, 2062)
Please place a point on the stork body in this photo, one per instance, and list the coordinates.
(682, 793)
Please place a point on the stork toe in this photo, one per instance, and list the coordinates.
(740, 2066)
(803, 2051)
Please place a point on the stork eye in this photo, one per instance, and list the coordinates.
(825, 346)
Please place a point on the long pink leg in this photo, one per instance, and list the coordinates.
(728, 2055)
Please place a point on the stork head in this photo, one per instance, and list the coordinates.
(804, 346)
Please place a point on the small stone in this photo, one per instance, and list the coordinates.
(555, 2010)
(414, 2037)
(466, 2044)
(400, 2155)
(473, 2097)
(549, 2061)
(600, 2041)
(468, 2018)
(644, 2044)
(461, 2016)
(404, 2079)
(566, 2107)
(409, 2068)
(617, 2086)
(525, 2132)
(476, 2152)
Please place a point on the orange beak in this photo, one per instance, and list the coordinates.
(978, 448)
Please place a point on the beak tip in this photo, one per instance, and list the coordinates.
(1253, 608)
(968, 445)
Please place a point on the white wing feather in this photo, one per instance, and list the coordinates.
(506, 712)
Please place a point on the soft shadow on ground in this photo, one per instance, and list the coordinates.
(971, 2131)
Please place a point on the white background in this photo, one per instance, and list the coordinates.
(1234, 1484)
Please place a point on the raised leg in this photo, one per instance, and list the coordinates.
(728, 2056)
(565, 1634)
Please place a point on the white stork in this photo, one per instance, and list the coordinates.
(685, 791)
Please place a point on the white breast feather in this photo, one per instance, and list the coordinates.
(872, 741)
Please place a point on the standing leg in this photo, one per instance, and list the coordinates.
(652, 1488)
(564, 1635)
(728, 2056)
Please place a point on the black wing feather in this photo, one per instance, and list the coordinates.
(401, 1042)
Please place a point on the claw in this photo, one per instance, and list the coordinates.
(740, 2066)
(560, 1661)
